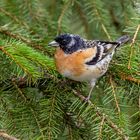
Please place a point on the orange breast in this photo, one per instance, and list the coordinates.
(73, 63)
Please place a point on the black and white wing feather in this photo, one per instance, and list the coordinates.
(105, 48)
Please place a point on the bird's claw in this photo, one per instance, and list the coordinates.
(87, 99)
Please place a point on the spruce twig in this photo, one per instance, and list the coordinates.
(20, 65)
(100, 114)
(23, 24)
(31, 109)
(131, 45)
(82, 16)
(14, 18)
(61, 15)
(114, 95)
(23, 39)
(101, 21)
(101, 128)
(129, 78)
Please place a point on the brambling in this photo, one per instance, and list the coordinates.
(84, 60)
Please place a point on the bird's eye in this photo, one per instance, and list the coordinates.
(64, 41)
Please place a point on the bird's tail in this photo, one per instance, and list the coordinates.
(119, 42)
(123, 39)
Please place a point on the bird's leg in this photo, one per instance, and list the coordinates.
(92, 84)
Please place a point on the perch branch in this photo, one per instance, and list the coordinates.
(100, 114)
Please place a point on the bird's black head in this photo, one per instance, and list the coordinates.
(69, 43)
(64, 39)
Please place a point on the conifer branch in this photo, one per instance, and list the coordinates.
(106, 32)
(101, 21)
(19, 91)
(20, 22)
(70, 132)
(114, 18)
(31, 109)
(131, 45)
(8, 111)
(62, 14)
(139, 103)
(29, 5)
(101, 128)
(50, 117)
(31, 88)
(33, 8)
(15, 36)
(6, 136)
(19, 64)
(23, 39)
(114, 95)
(82, 16)
(14, 18)
(100, 114)
(129, 78)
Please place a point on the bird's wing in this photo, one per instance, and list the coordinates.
(103, 48)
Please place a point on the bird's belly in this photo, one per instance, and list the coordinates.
(75, 68)
(87, 74)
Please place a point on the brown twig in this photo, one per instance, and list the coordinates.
(101, 128)
(129, 78)
(115, 98)
(6, 136)
(100, 114)
(131, 45)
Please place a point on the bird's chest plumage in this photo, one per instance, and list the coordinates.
(74, 65)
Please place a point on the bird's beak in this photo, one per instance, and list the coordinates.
(54, 44)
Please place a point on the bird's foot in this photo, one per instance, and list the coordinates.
(87, 99)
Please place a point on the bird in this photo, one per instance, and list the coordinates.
(82, 60)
